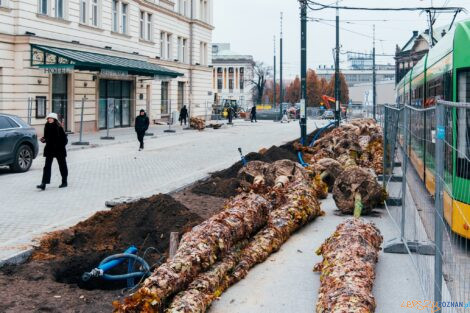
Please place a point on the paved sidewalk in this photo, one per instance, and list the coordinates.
(169, 162)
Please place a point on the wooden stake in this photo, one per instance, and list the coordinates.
(174, 242)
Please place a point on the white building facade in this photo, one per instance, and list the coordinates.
(232, 76)
(113, 56)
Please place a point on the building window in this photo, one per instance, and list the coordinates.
(83, 11)
(162, 44)
(149, 27)
(115, 16)
(124, 18)
(165, 46)
(164, 96)
(94, 13)
(183, 7)
(203, 53)
(44, 7)
(242, 78)
(182, 44)
(40, 107)
(4, 3)
(142, 24)
(168, 46)
(59, 8)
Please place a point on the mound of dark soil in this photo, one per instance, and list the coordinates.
(217, 187)
(271, 155)
(146, 223)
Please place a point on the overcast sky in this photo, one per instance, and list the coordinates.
(249, 26)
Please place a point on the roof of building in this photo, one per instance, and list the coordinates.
(228, 55)
(438, 33)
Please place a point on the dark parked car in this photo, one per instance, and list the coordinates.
(18, 143)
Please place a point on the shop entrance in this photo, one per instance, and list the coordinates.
(114, 103)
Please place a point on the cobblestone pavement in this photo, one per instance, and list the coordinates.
(117, 169)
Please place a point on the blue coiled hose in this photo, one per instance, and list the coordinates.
(299, 154)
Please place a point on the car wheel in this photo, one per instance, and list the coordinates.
(23, 159)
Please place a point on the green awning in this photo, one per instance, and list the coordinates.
(68, 59)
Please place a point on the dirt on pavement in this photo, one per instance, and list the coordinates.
(51, 279)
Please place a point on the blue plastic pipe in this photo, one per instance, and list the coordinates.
(111, 264)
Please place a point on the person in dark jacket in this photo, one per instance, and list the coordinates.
(253, 114)
(55, 140)
(141, 125)
(230, 114)
(183, 115)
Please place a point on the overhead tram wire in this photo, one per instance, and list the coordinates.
(432, 8)
(348, 30)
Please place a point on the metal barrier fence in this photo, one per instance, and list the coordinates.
(432, 211)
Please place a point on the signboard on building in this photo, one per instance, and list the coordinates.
(107, 73)
(59, 69)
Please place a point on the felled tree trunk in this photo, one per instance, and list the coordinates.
(348, 268)
(300, 206)
(355, 180)
(199, 249)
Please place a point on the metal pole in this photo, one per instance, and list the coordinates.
(281, 87)
(274, 79)
(337, 82)
(80, 142)
(30, 106)
(374, 79)
(404, 168)
(385, 147)
(438, 220)
(303, 70)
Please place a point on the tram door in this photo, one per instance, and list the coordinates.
(59, 97)
(463, 126)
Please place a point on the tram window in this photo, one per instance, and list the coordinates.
(463, 129)
(448, 86)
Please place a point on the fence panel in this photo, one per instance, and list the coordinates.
(434, 217)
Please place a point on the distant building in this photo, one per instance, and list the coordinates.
(362, 93)
(356, 76)
(232, 75)
(359, 70)
(414, 49)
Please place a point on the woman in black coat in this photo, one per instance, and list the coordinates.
(55, 140)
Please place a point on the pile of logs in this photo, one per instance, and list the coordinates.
(220, 251)
(347, 160)
(348, 268)
(197, 123)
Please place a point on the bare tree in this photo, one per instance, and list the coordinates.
(261, 72)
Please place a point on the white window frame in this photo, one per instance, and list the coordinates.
(83, 11)
(169, 46)
(124, 18)
(149, 27)
(142, 25)
(3, 3)
(162, 45)
(185, 49)
(56, 11)
(41, 7)
(203, 53)
(95, 16)
(115, 16)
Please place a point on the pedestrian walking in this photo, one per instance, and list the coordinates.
(141, 125)
(230, 114)
(183, 115)
(253, 114)
(55, 140)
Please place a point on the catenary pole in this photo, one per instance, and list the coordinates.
(303, 70)
(274, 77)
(337, 82)
(281, 87)
(374, 78)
